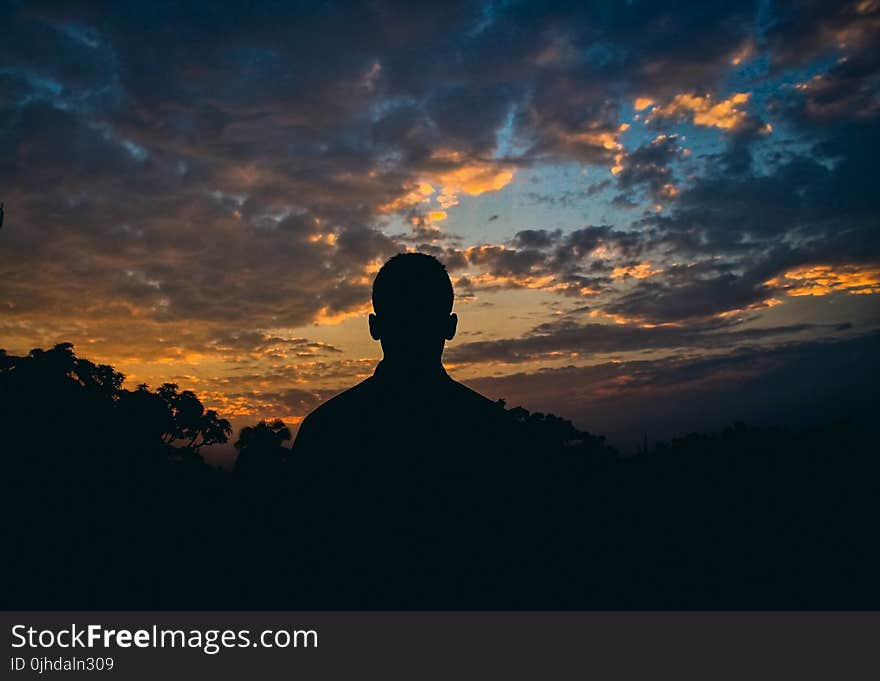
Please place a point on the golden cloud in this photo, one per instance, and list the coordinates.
(328, 238)
(605, 139)
(328, 317)
(536, 278)
(642, 270)
(705, 111)
(489, 280)
(769, 302)
(628, 321)
(418, 193)
(458, 175)
(472, 177)
(822, 280)
(745, 52)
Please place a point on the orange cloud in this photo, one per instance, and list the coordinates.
(512, 281)
(420, 192)
(726, 114)
(536, 278)
(669, 191)
(628, 321)
(457, 175)
(329, 238)
(821, 280)
(745, 52)
(601, 251)
(642, 270)
(471, 177)
(598, 138)
(327, 317)
(769, 302)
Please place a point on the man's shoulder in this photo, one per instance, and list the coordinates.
(343, 403)
(333, 418)
(470, 396)
(475, 406)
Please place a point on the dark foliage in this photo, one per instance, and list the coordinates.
(111, 506)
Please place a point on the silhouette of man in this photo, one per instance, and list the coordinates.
(408, 474)
(410, 412)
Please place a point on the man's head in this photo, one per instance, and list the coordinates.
(412, 302)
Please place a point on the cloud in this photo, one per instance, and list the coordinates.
(822, 280)
(536, 238)
(641, 270)
(194, 188)
(649, 165)
(572, 339)
(805, 31)
(702, 109)
(446, 176)
(797, 384)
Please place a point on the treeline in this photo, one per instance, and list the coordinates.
(112, 506)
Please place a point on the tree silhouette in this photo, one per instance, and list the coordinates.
(261, 448)
(212, 430)
(188, 422)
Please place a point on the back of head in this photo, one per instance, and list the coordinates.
(412, 300)
(412, 284)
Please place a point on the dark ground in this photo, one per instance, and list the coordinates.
(111, 507)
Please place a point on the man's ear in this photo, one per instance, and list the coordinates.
(375, 332)
(451, 326)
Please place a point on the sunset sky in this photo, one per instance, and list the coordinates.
(658, 216)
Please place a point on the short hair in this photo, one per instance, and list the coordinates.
(412, 284)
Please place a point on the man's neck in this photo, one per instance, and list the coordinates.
(389, 369)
